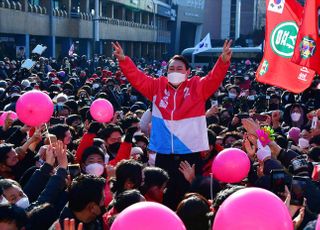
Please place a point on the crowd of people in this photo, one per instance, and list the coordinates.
(88, 172)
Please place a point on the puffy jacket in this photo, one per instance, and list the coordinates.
(178, 115)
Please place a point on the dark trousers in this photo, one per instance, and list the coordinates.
(177, 185)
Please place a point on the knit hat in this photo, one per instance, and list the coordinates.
(294, 134)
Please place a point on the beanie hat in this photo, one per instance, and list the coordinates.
(294, 134)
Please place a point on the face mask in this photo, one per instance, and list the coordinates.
(176, 78)
(23, 203)
(152, 159)
(251, 97)
(4, 201)
(295, 117)
(95, 169)
(95, 86)
(303, 143)
(113, 148)
(133, 98)
(15, 95)
(232, 95)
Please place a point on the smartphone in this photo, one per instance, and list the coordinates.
(278, 181)
(74, 170)
(289, 145)
(214, 103)
(259, 117)
(243, 116)
(298, 188)
(314, 122)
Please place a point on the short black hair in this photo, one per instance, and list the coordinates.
(13, 215)
(127, 170)
(194, 211)
(91, 150)
(8, 183)
(4, 150)
(127, 198)
(180, 58)
(59, 130)
(85, 189)
(106, 132)
(153, 176)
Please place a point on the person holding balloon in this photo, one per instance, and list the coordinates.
(179, 129)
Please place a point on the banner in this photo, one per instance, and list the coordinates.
(204, 45)
(276, 68)
(307, 52)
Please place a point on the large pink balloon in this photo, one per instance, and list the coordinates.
(253, 209)
(101, 110)
(34, 108)
(3, 116)
(146, 216)
(318, 223)
(231, 165)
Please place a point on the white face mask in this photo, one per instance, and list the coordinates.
(295, 116)
(95, 169)
(176, 78)
(232, 95)
(251, 97)
(303, 143)
(23, 203)
(4, 201)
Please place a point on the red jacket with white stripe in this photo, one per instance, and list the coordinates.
(178, 114)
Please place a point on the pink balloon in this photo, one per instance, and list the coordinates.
(101, 110)
(34, 108)
(231, 165)
(3, 116)
(146, 216)
(318, 223)
(253, 209)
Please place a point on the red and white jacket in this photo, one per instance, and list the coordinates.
(178, 115)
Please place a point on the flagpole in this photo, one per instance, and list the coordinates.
(192, 61)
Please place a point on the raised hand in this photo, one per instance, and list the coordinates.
(68, 225)
(50, 159)
(187, 170)
(61, 154)
(118, 51)
(226, 52)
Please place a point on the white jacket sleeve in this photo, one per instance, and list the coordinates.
(145, 121)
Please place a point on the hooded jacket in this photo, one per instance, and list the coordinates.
(178, 114)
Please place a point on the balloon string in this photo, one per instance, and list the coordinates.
(48, 134)
(211, 189)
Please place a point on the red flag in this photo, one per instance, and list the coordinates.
(71, 50)
(276, 68)
(307, 52)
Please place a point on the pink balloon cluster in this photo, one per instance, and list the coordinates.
(253, 209)
(4, 115)
(146, 216)
(231, 165)
(101, 110)
(34, 108)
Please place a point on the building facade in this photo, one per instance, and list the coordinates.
(230, 18)
(141, 26)
(186, 30)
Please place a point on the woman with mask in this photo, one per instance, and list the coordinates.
(178, 115)
(297, 117)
